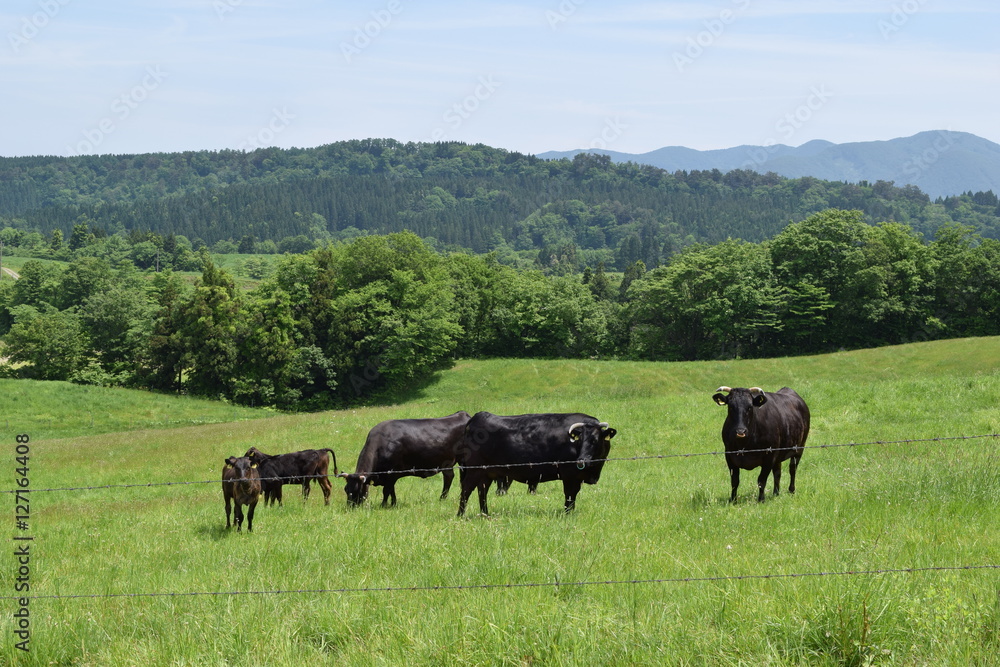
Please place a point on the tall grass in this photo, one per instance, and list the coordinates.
(871, 507)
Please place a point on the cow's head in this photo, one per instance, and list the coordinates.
(356, 487)
(239, 468)
(255, 455)
(742, 403)
(594, 441)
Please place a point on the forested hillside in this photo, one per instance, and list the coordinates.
(586, 210)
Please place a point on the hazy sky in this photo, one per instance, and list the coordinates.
(81, 76)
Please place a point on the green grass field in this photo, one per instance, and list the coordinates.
(325, 585)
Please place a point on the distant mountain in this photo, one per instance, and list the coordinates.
(941, 163)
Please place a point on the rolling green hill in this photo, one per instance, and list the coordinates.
(882, 556)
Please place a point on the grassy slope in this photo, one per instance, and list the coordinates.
(47, 410)
(871, 507)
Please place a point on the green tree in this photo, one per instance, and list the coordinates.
(118, 322)
(81, 279)
(56, 241)
(210, 324)
(50, 343)
(81, 234)
(710, 302)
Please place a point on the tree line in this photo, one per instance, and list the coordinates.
(358, 320)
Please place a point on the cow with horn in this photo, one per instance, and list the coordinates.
(761, 430)
(532, 448)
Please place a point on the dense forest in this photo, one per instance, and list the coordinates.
(558, 213)
(357, 320)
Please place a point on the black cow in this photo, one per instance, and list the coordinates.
(531, 449)
(406, 447)
(293, 468)
(777, 423)
(241, 485)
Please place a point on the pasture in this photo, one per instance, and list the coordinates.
(152, 577)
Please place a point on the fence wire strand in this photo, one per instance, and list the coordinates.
(530, 584)
(430, 471)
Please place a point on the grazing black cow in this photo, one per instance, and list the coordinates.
(777, 423)
(241, 485)
(293, 468)
(406, 447)
(531, 449)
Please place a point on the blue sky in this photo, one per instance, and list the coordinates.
(83, 77)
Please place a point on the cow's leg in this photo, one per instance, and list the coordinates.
(793, 464)
(253, 506)
(228, 510)
(305, 488)
(484, 488)
(571, 487)
(239, 516)
(776, 472)
(324, 483)
(449, 477)
(532, 488)
(389, 493)
(467, 485)
(734, 480)
(765, 470)
(277, 494)
(503, 483)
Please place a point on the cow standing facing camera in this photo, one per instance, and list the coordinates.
(762, 429)
(240, 485)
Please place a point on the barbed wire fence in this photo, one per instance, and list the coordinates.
(433, 470)
(526, 585)
(514, 585)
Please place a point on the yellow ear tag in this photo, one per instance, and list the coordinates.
(254, 465)
(229, 466)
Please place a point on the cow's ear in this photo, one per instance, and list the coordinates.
(759, 400)
(610, 433)
(720, 399)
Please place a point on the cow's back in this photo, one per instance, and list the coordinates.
(495, 440)
(787, 416)
(399, 444)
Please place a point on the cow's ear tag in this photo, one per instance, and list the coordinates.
(574, 436)
(229, 466)
(254, 465)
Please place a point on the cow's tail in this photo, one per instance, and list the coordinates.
(335, 471)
